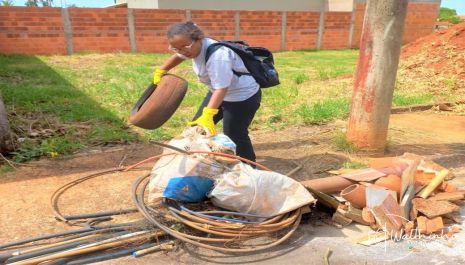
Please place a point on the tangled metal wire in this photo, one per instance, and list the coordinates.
(203, 229)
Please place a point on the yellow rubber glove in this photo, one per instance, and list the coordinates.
(206, 120)
(157, 74)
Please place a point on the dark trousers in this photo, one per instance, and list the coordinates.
(237, 117)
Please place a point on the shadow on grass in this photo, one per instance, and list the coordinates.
(50, 116)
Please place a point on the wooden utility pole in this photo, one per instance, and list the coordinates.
(383, 27)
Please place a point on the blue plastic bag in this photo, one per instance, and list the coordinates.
(188, 188)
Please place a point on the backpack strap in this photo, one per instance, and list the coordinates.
(215, 46)
(211, 49)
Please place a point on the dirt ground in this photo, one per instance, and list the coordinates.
(25, 193)
(441, 51)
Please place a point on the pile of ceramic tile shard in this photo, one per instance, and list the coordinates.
(397, 196)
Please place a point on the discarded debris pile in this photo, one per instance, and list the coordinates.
(208, 198)
(258, 203)
(406, 195)
(213, 199)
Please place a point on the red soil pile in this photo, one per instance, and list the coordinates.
(443, 51)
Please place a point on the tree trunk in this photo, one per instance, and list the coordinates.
(380, 45)
(6, 143)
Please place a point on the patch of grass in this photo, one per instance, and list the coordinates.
(5, 169)
(300, 78)
(388, 146)
(353, 165)
(107, 134)
(94, 89)
(178, 227)
(330, 71)
(323, 111)
(323, 64)
(51, 147)
(275, 118)
(92, 96)
(342, 144)
(407, 100)
(159, 134)
(452, 84)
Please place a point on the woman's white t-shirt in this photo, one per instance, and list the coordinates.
(217, 72)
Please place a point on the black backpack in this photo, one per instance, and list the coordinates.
(258, 61)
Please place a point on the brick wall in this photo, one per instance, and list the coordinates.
(419, 21)
(150, 28)
(336, 30)
(359, 12)
(302, 30)
(102, 30)
(217, 24)
(260, 28)
(31, 30)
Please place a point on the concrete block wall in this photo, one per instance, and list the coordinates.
(32, 30)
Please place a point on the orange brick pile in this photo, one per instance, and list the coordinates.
(408, 213)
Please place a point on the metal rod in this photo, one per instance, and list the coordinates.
(65, 233)
(101, 245)
(5, 256)
(99, 214)
(43, 237)
(46, 251)
(107, 256)
(30, 253)
(164, 246)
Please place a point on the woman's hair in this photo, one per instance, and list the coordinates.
(187, 28)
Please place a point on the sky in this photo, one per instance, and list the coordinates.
(78, 3)
(458, 5)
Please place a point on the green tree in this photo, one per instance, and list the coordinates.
(41, 2)
(7, 3)
(31, 3)
(46, 2)
(448, 14)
